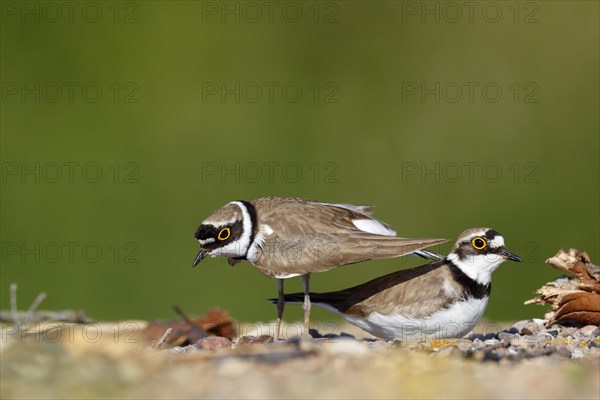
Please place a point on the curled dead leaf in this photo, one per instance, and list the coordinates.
(574, 299)
(582, 307)
(578, 264)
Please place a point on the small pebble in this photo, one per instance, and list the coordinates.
(577, 353)
(464, 345)
(491, 356)
(475, 336)
(593, 344)
(519, 324)
(513, 350)
(562, 350)
(449, 351)
(506, 338)
(249, 340)
(553, 332)
(352, 347)
(527, 327)
(378, 343)
(342, 335)
(567, 332)
(587, 330)
(534, 342)
(501, 352)
(214, 342)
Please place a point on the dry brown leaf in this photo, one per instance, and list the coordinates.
(579, 305)
(577, 264)
(575, 299)
(188, 331)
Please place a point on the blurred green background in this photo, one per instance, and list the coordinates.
(355, 102)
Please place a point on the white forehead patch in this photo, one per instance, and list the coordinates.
(217, 224)
(476, 234)
(497, 242)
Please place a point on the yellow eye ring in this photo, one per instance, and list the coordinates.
(224, 234)
(479, 243)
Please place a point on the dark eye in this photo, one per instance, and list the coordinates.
(479, 243)
(224, 234)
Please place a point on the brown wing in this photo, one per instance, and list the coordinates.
(289, 217)
(314, 237)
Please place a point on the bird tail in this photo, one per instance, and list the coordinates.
(389, 247)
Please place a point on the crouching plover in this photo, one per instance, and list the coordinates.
(441, 299)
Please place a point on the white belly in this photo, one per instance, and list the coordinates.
(452, 322)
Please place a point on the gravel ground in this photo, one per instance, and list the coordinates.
(525, 360)
(524, 339)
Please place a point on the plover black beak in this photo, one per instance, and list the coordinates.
(510, 256)
(201, 254)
